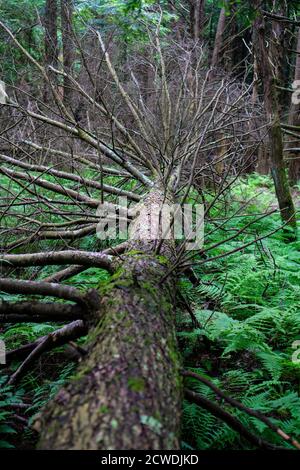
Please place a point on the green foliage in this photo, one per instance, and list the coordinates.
(42, 382)
(37, 394)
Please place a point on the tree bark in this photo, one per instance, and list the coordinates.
(127, 391)
(51, 43)
(294, 120)
(277, 163)
(215, 61)
(68, 47)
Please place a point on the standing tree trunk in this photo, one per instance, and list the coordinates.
(68, 47)
(127, 392)
(294, 120)
(216, 57)
(51, 44)
(278, 168)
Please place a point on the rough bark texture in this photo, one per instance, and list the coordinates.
(215, 61)
(294, 120)
(197, 18)
(127, 391)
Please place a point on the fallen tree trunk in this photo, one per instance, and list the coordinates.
(127, 391)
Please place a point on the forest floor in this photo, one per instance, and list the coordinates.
(248, 310)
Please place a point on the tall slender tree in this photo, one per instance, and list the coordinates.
(68, 47)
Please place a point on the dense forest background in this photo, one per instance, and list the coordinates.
(138, 344)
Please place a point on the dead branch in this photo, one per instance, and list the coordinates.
(73, 270)
(229, 419)
(14, 286)
(85, 258)
(39, 312)
(59, 337)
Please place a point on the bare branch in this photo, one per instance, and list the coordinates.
(280, 18)
(240, 406)
(85, 258)
(51, 186)
(86, 160)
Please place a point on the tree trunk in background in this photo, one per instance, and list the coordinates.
(51, 44)
(127, 391)
(294, 120)
(197, 18)
(216, 57)
(278, 168)
(263, 160)
(68, 47)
